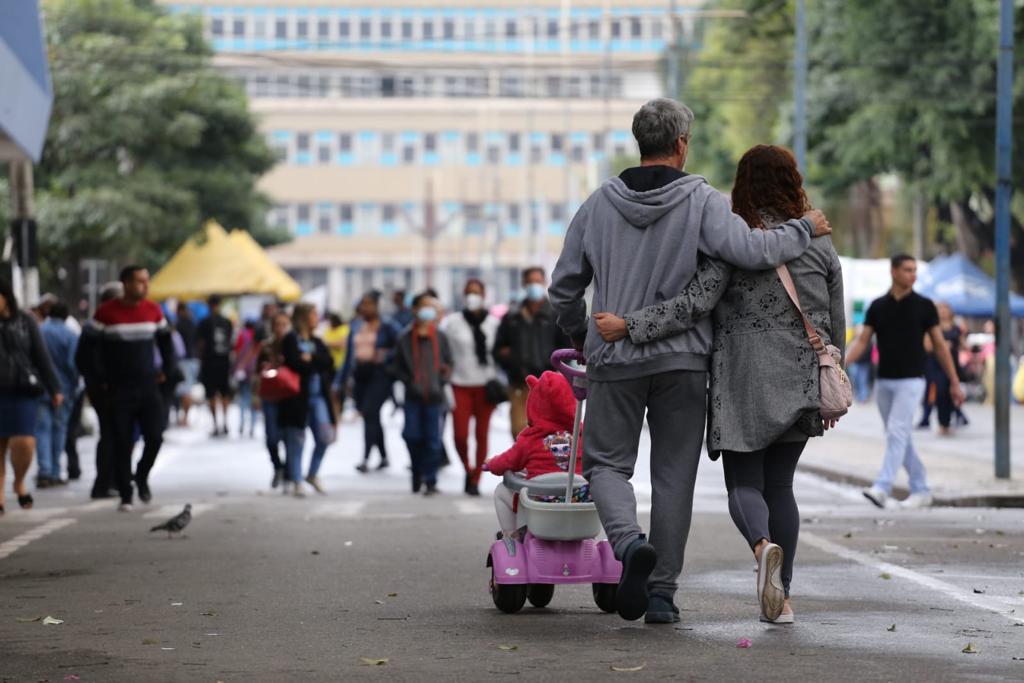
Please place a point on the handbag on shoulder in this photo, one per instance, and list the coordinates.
(834, 386)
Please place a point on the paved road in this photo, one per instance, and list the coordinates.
(271, 588)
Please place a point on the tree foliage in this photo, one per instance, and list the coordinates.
(146, 140)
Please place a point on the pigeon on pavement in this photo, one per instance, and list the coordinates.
(176, 523)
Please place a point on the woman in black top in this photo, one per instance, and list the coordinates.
(310, 358)
(25, 373)
(938, 395)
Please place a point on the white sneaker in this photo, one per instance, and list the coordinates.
(917, 500)
(876, 496)
(315, 483)
(770, 594)
(297, 491)
(124, 507)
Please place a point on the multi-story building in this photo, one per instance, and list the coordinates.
(421, 143)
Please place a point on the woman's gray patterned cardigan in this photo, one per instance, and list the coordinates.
(764, 373)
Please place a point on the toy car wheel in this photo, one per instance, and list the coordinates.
(604, 595)
(540, 594)
(508, 597)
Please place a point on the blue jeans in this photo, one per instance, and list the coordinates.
(422, 434)
(51, 435)
(245, 406)
(860, 375)
(272, 432)
(897, 402)
(319, 422)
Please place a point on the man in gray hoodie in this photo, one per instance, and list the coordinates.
(636, 240)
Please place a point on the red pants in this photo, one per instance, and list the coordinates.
(471, 402)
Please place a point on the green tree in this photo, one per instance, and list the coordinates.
(146, 140)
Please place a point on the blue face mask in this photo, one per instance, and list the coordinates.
(426, 314)
(535, 291)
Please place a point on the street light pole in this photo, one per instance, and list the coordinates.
(1004, 140)
(800, 88)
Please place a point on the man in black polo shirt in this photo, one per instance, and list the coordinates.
(901, 319)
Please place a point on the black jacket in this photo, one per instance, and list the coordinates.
(530, 342)
(20, 341)
(423, 379)
(294, 412)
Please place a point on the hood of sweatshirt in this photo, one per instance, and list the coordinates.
(550, 405)
(641, 208)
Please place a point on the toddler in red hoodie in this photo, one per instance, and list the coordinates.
(543, 447)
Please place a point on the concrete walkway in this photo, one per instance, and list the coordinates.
(961, 467)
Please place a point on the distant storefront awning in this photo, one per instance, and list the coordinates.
(26, 95)
(219, 263)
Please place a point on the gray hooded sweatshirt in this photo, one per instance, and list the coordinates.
(640, 248)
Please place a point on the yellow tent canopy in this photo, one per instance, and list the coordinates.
(222, 264)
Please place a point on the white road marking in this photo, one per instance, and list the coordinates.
(21, 540)
(989, 604)
(168, 511)
(348, 509)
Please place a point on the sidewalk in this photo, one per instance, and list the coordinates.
(961, 467)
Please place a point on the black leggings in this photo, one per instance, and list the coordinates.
(373, 394)
(761, 501)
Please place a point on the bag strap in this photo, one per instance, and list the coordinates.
(812, 334)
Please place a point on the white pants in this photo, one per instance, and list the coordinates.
(503, 498)
(898, 400)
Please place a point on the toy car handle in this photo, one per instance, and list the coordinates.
(561, 358)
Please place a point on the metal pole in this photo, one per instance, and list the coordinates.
(1004, 139)
(673, 55)
(800, 89)
(25, 272)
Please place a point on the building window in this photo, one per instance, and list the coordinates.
(513, 143)
(557, 212)
(343, 29)
(472, 143)
(323, 86)
(302, 28)
(388, 213)
(448, 27)
(657, 28)
(408, 153)
(594, 30)
(616, 29)
(387, 143)
(636, 28)
(323, 30)
(598, 142)
(345, 143)
(407, 30)
(324, 223)
(281, 29)
(428, 29)
(553, 28)
(217, 28)
(345, 211)
(430, 143)
(238, 28)
(259, 28)
(323, 154)
(385, 29)
(365, 29)
(387, 86)
(513, 213)
(303, 212)
(511, 28)
(557, 142)
(469, 30)
(493, 154)
(302, 85)
(302, 142)
(578, 154)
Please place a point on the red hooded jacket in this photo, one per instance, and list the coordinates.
(543, 446)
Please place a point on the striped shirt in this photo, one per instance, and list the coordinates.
(129, 335)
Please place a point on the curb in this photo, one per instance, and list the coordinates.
(990, 500)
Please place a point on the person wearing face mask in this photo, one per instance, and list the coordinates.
(525, 340)
(471, 336)
(423, 363)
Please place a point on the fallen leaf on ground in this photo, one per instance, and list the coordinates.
(150, 641)
(508, 648)
(979, 591)
(50, 621)
(970, 649)
(314, 552)
(891, 628)
(392, 595)
(374, 662)
(885, 575)
(628, 668)
(28, 620)
(167, 648)
(177, 604)
(208, 614)
(744, 643)
(348, 544)
(72, 677)
(379, 602)
(848, 534)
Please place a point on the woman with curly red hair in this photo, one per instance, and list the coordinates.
(764, 399)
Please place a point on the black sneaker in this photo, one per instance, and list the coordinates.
(384, 464)
(363, 467)
(143, 487)
(637, 564)
(432, 490)
(99, 494)
(417, 484)
(661, 610)
(278, 476)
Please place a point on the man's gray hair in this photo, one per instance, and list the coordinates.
(658, 125)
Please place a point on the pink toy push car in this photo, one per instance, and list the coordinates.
(559, 545)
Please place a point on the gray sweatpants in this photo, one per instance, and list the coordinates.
(676, 405)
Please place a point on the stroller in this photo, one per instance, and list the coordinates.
(559, 545)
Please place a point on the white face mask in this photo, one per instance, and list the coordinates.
(474, 302)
